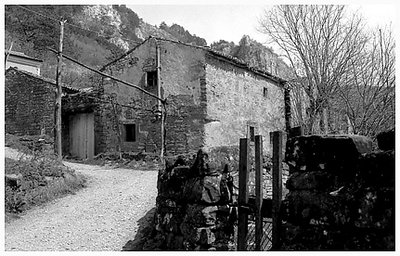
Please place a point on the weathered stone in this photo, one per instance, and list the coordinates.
(177, 243)
(13, 180)
(181, 172)
(386, 140)
(201, 215)
(203, 190)
(377, 169)
(305, 205)
(226, 188)
(206, 236)
(310, 180)
(168, 222)
(332, 153)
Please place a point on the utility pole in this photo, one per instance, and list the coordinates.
(58, 147)
(161, 105)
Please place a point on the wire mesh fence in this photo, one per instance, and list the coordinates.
(266, 240)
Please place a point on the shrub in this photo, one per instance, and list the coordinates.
(40, 179)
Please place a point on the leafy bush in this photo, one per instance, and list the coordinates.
(40, 179)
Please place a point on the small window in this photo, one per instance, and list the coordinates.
(130, 132)
(265, 92)
(152, 78)
(251, 131)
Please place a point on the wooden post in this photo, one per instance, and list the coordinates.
(259, 190)
(276, 186)
(160, 104)
(243, 194)
(59, 94)
(8, 54)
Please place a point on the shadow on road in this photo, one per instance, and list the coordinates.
(143, 233)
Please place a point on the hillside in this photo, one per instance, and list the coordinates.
(97, 34)
(256, 54)
(93, 35)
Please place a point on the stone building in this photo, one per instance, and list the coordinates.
(212, 101)
(29, 103)
(23, 62)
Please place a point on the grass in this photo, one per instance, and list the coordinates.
(36, 180)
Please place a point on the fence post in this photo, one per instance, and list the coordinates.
(243, 194)
(276, 187)
(259, 191)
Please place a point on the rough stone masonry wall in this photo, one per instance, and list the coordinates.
(192, 211)
(182, 83)
(236, 100)
(29, 104)
(341, 194)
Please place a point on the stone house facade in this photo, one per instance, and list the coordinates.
(29, 103)
(213, 100)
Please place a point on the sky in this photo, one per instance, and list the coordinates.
(231, 21)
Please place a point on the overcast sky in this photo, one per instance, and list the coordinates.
(231, 21)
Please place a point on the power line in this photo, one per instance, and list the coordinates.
(37, 13)
(73, 25)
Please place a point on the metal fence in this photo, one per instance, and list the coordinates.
(266, 240)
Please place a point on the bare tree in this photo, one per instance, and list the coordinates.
(320, 42)
(367, 92)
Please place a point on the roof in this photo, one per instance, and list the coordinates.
(22, 55)
(48, 80)
(212, 53)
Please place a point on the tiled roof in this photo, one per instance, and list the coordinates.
(48, 80)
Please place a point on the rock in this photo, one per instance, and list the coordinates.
(333, 153)
(206, 236)
(13, 180)
(377, 169)
(310, 180)
(305, 205)
(201, 215)
(386, 140)
(168, 222)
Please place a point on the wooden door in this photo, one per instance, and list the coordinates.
(81, 135)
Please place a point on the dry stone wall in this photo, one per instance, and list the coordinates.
(192, 206)
(29, 104)
(341, 194)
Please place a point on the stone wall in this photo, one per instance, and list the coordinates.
(341, 194)
(210, 102)
(237, 99)
(181, 81)
(192, 206)
(29, 104)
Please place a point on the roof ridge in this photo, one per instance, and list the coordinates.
(230, 57)
(46, 79)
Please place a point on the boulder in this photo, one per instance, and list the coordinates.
(386, 140)
(310, 180)
(333, 153)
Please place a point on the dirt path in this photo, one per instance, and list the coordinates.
(103, 216)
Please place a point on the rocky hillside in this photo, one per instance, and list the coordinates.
(256, 54)
(97, 34)
(94, 35)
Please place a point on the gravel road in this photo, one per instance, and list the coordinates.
(101, 217)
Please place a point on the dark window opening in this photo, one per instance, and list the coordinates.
(130, 132)
(152, 78)
(265, 92)
(252, 133)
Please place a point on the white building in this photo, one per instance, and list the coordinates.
(23, 62)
